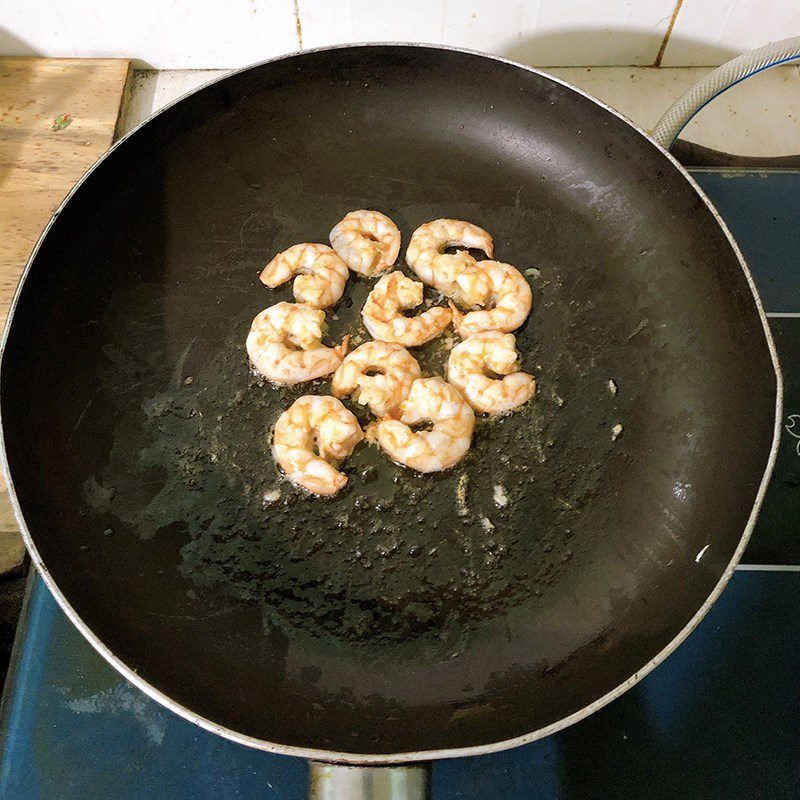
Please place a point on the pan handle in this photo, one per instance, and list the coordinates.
(720, 80)
(337, 782)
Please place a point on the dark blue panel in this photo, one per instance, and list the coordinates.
(776, 538)
(720, 718)
(762, 209)
(74, 729)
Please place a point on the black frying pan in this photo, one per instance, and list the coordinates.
(386, 624)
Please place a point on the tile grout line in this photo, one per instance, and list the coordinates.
(768, 567)
(783, 314)
(665, 41)
(298, 26)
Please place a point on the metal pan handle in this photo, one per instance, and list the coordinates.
(337, 782)
(736, 70)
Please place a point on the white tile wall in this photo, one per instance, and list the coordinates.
(589, 32)
(231, 33)
(342, 21)
(543, 32)
(712, 31)
(160, 33)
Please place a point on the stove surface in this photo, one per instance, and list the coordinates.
(720, 718)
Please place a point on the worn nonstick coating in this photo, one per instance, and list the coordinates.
(388, 620)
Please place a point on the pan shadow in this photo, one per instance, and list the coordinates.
(13, 45)
(609, 47)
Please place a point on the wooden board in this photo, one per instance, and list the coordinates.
(40, 160)
(57, 117)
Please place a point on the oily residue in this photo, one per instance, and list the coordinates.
(396, 554)
(124, 700)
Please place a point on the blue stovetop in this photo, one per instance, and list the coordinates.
(720, 718)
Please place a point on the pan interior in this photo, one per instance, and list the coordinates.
(410, 612)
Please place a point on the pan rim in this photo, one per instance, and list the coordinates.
(376, 759)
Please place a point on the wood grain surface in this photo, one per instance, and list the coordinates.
(57, 117)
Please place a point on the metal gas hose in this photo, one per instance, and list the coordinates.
(720, 80)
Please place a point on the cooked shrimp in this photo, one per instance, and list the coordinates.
(430, 400)
(493, 351)
(315, 421)
(377, 375)
(426, 257)
(321, 274)
(510, 298)
(382, 315)
(367, 241)
(284, 344)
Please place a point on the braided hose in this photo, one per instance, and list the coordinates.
(720, 80)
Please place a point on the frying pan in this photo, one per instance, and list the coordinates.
(412, 617)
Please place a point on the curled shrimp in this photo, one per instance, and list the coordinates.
(367, 241)
(321, 274)
(382, 312)
(377, 375)
(442, 270)
(510, 299)
(284, 344)
(430, 400)
(321, 422)
(490, 351)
